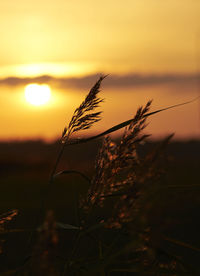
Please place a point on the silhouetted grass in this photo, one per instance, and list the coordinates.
(106, 224)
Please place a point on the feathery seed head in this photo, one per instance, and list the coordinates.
(83, 118)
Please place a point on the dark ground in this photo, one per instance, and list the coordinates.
(24, 173)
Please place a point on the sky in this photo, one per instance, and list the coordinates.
(149, 48)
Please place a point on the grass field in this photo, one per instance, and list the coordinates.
(175, 212)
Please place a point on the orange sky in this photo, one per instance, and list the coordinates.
(149, 48)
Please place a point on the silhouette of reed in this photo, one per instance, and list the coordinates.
(113, 233)
(122, 183)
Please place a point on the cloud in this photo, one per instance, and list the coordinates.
(112, 81)
(17, 81)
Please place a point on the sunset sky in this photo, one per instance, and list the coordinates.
(149, 48)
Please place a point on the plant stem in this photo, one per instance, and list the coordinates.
(51, 178)
(52, 174)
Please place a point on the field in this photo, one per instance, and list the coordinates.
(25, 168)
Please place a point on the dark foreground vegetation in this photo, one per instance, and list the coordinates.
(133, 211)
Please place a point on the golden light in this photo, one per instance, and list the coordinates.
(37, 94)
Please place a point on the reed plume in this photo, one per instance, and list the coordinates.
(117, 161)
(123, 174)
(5, 217)
(83, 118)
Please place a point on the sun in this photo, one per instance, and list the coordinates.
(37, 94)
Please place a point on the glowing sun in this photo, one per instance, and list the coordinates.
(37, 94)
